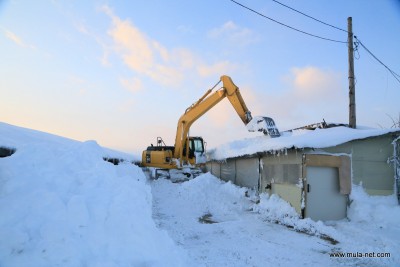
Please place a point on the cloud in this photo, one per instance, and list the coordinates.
(133, 46)
(311, 83)
(144, 55)
(150, 58)
(308, 95)
(17, 40)
(234, 34)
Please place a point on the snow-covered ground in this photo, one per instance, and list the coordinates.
(61, 204)
(220, 224)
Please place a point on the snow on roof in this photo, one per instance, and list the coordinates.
(318, 138)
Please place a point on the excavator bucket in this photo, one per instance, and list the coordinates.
(263, 124)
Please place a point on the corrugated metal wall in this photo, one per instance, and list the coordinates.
(228, 171)
(247, 172)
(240, 171)
(370, 163)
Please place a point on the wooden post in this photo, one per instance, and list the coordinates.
(352, 93)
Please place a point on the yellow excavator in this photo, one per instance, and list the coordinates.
(189, 151)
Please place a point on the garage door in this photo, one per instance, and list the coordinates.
(324, 201)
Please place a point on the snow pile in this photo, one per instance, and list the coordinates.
(203, 195)
(318, 138)
(257, 124)
(373, 227)
(213, 196)
(17, 137)
(381, 211)
(61, 204)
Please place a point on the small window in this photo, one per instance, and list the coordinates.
(198, 145)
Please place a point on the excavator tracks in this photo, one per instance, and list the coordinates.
(175, 175)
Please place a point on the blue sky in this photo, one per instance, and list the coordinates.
(123, 72)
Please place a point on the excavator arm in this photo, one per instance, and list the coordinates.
(204, 104)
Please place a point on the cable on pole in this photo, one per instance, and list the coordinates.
(285, 25)
(394, 74)
(320, 21)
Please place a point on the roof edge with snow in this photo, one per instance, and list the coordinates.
(296, 139)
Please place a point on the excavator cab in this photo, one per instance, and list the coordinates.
(196, 150)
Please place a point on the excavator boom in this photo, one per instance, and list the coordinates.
(204, 104)
(207, 102)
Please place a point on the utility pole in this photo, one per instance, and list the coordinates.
(352, 88)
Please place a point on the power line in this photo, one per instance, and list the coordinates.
(358, 42)
(320, 21)
(290, 27)
(395, 75)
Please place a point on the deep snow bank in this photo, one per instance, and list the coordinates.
(62, 205)
(17, 137)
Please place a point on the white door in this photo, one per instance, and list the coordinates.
(324, 201)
